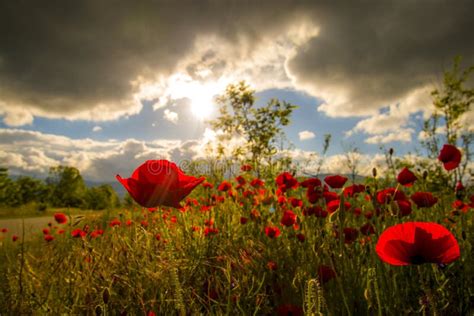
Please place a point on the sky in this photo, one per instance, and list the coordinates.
(104, 86)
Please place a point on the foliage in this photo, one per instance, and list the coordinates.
(101, 197)
(451, 104)
(260, 127)
(170, 261)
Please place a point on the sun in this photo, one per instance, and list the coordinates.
(202, 103)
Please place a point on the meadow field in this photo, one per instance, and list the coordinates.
(245, 246)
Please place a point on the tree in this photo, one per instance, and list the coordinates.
(452, 102)
(102, 197)
(67, 187)
(260, 127)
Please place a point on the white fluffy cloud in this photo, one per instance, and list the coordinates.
(170, 116)
(305, 135)
(96, 129)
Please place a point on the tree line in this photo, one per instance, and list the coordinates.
(63, 187)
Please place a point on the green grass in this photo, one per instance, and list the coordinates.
(184, 272)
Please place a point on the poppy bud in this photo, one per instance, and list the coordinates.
(390, 151)
(374, 172)
(425, 175)
(98, 310)
(106, 296)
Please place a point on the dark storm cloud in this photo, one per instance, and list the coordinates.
(70, 57)
(379, 51)
(78, 58)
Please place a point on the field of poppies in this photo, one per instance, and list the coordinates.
(245, 245)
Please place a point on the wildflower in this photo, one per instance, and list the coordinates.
(354, 189)
(115, 222)
(78, 233)
(424, 199)
(209, 231)
(450, 156)
(60, 218)
(243, 220)
(271, 265)
(288, 219)
(48, 238)
(159, 182)
(257, 183)
(224, 186)
(367, 229)
(272, 231)
(406, 177)
(350, 235)
(15, 238)
(387, 195)
(207, 185)
(246, 168)
(286, 181)
(325, 274)
(301, 237)
(404, 207)
(417, 243)
(45, 231)
(335, 182)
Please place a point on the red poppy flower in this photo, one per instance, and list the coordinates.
(96, 233)
(416, 243)
(367, 229)
(404, 207)
(387, 195)
(159, 182)
(286, 181)
(272, 231)
(271, 265)
(243, 220)
(313, 194)
(424, 199)
(325, 274)
(330, 196)
(289, 310)
(459, 186)
(207, 185)
(60, 218)
(45, 231)
(450, 156)
(406, 177)
(257, 183)
(296, 202)
(209, 231)
(288, 219)
(224, 186)
(301, 237)
(15, 238)
(115, 222)
(48, 238)
(311, 182)
(246, 168)
(4, 230)
(352, 190)
(335, 182)
(350, 235)
(78, 233)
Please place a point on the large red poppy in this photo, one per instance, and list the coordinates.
(288, 218)
(417, 243)
(450, 156)
(159, 182)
